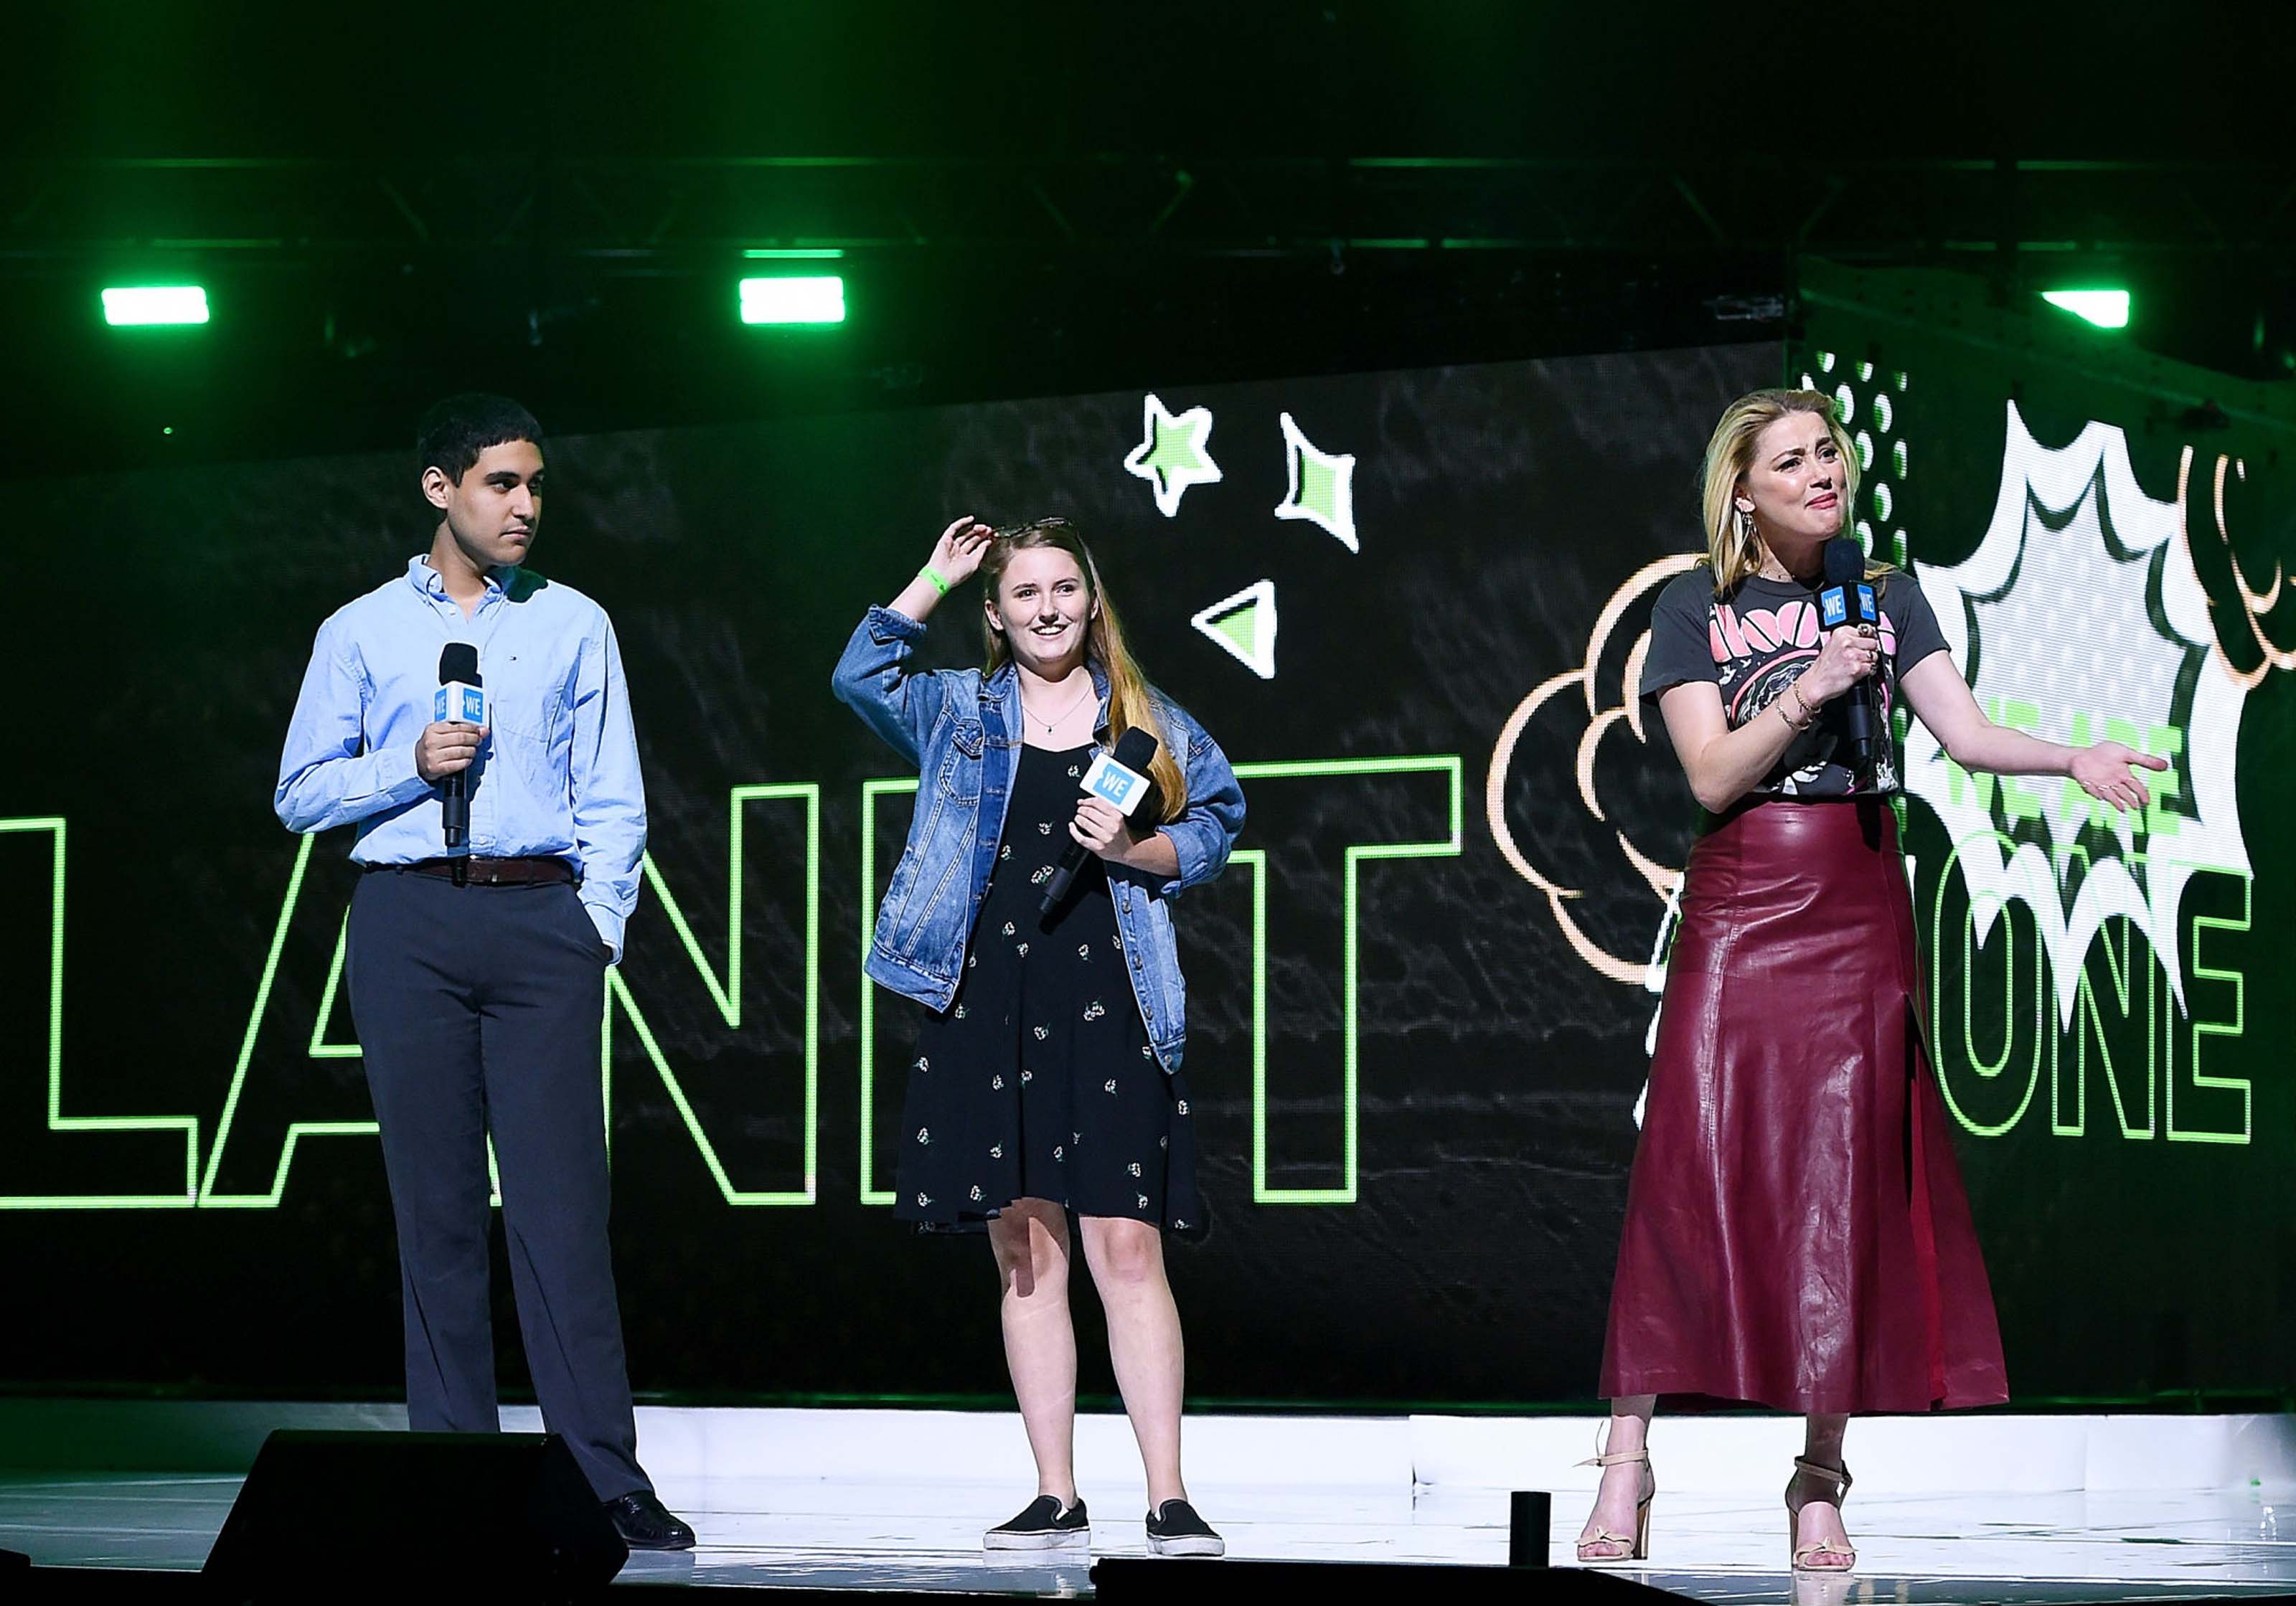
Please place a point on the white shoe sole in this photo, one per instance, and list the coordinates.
(1076, 1539)
(1191, 1544)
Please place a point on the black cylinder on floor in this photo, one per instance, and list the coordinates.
(1528, 1516)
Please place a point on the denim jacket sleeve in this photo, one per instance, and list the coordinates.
(872, 678)
(1204, 833)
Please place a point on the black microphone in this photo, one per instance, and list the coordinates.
(1120, 778)
(462, 695)
(1846, 603)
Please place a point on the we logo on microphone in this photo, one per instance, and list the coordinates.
(1110, 780)
(457, 700)
(1833, 606)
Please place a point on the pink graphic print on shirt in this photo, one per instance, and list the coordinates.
(1760, 651)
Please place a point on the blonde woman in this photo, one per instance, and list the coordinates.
(1797, 1235)
(1046, 1085)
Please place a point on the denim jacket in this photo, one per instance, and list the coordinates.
(962, 731)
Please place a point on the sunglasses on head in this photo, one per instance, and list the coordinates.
(1033, 526)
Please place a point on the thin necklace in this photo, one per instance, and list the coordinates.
(1784, 576)
(1074, 705)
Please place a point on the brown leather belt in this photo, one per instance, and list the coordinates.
(491, 873)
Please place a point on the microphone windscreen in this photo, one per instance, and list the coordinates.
(1135, 751)
(1845, 561)
(459, 660)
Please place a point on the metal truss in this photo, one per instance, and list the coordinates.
(657, 214)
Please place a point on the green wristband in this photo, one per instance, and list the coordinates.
(939, 585)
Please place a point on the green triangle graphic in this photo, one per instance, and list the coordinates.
(1244, 624)
(1242, 627)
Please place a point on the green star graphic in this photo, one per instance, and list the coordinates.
(1172, 452)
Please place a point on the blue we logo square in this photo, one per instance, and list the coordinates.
(1834, 608)
(1115, 784)
(456, 701)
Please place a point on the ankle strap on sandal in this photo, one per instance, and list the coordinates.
(1618, 1459)
(1839, 1477)
(1613, 1458)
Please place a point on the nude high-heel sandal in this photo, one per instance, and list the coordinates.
(1834, 1486)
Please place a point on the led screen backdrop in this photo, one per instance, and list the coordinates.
(2105, 547)
(1411, 607)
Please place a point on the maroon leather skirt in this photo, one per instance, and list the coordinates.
(1797, 1234)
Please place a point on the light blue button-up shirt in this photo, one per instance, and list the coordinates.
(557, 776)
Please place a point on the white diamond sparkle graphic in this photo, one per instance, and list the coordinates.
(1321, 486)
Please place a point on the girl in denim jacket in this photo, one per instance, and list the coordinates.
(1046, 1082)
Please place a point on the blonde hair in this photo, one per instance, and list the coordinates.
(1131, 702)
(1733, 550)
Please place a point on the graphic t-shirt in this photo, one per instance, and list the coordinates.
(1756, 641)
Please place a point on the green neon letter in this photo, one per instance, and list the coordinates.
(32, 1009)
(1305, 906)
(291, 969)
(2092, 1018)
(1433, 782)
(2231, 1128)
(2025, 1009)
(788, 987)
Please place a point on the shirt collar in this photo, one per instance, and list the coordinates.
(430, 583)
(1007, 675)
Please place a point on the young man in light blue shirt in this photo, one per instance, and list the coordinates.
(476, 972)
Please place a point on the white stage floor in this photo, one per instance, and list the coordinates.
(791, 1532)
(1718, 1543)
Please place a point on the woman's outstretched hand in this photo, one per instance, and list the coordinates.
(2108, 773)
(960, 549)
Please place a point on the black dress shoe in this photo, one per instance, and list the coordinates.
(644, 1525)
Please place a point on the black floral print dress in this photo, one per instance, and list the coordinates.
(1037, 1082)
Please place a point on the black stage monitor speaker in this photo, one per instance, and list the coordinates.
(414, 1514)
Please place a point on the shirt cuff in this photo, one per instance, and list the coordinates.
(1183, 842)
(396, 777)
(610, 928)
(885, 622)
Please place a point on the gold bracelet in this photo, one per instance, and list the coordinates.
(1808, 715)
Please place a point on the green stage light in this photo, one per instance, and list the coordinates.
(2106, 308)
(793, 300)
(144, 304)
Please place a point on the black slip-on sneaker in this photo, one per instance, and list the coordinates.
(1173, 1529)
(1042, 1524)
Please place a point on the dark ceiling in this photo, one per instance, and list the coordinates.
(555, 199)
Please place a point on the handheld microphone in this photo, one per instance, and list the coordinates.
(462, 696)
(1847, 603)
(1119, 778)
